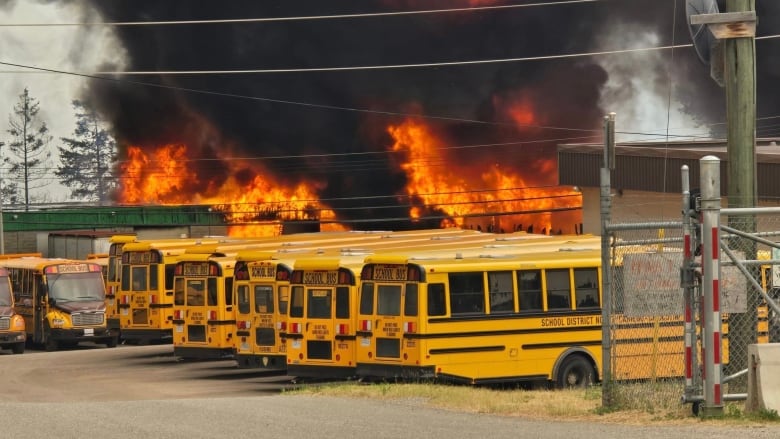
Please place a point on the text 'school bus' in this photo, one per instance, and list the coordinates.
(145, 293)
(320, 325)
(529, 317)
(112, 280)
(262, 286)
(62, 301)
(204, 315)
(12, 332)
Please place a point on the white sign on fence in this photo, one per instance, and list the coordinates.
(652, 285)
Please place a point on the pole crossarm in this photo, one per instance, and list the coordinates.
(728, 25)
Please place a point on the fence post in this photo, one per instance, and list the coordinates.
(606, 291)
(710, 312)
(688, 284)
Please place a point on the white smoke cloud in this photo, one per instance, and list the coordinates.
(638, 89)
(66, 48)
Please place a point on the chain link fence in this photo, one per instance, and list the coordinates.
(646, 359)
(648, 289)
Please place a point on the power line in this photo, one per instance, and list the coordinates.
(300, 18)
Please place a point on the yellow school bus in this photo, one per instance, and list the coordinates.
(529, 317)
(112, 276)
(262, 285)
(62, 301)
(204, 317)
(145, 295)
(12, 333)
(320, 328)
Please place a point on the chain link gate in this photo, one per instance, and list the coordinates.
(646, 321)
(654, 330)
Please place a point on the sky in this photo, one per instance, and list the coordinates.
(308, 116)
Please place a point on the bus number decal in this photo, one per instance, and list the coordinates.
(267, 271)
(320, 277)
(390, 272)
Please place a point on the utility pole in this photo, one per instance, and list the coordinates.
(739, 64)
(736, 30)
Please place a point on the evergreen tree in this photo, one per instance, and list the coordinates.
(29, 155)
(8, 188)
(87, 159)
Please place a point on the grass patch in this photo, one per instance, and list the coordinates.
(576, 404)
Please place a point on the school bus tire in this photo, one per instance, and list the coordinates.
(18, 348)
(112, 342)
(50, 345)
(575, 371)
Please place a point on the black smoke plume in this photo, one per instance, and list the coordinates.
(565, 93)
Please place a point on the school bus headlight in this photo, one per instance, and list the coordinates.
(57, 323)
(17, 323)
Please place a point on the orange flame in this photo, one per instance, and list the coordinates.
(496, 198)
(252, 209)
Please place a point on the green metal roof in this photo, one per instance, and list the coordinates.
(80, 218)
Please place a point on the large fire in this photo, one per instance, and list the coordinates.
(253, 209)
(491, 197)
(496, 198)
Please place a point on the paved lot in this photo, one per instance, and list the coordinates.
(143, 392)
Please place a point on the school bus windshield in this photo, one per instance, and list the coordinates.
(5, 294)
(76, 287)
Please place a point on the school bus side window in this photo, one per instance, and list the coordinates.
(529, 284)
(586, 287)
(229, 291)
(367, 298)
(296, 302)
(502, 293)
(467, 293)
(437, 305)
(558, 289)
(154, 283)
(243, 299)
(342, 302)
(178, 292)
(410, 300)
(388, 301)
(211, 291)
(284, 297)
(169, 269)
(125, 278)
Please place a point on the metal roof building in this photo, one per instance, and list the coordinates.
(647, 181)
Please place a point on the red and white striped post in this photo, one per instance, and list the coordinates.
(710, 313)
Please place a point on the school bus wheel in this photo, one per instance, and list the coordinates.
(18, 348)
(575, 371)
